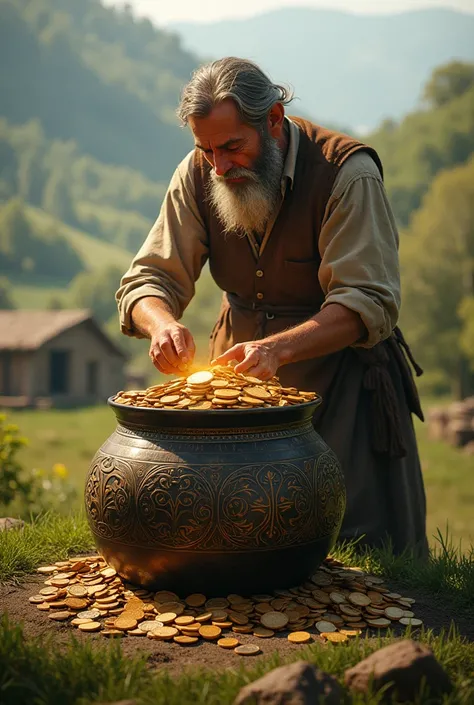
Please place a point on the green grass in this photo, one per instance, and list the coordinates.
(47, 538)
(447, 573)
(36, 672)
(72, 437)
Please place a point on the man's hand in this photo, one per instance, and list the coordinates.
(172, 348)
(258, 358)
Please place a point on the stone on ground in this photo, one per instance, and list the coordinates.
(298, 683)
(7, 523)
(405, 664)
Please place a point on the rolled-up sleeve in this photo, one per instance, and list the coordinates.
(172, 256)
(359, 249)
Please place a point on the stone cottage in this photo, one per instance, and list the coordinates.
(56, 358)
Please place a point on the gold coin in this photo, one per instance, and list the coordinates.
(228, 643)
(108, 572)
(36, 599)
(299, 637)
(349, 611)
(323, 626)
(149, 625)
(185, 640)
(204, 617)
(350, 632)
(246, 629)
(195, 600)
(60, 616)
(226, 394)
(167, 617)
(410, 621)
(210, 632)
(257, 393)
(219, 383)
(334, 637)
(337, 597)
(183, 621)
(170, 399)
(198, 378)
(217, 603)
(247, 650)
(77, 591)
(125, 623)
(176, 607)
(48, 591)
(45, 569)
(393, 612)
(250, 400)
(358, 598)
(135, 632)
(380, 622)
(44, 606)
(201, 406)
(274, 620)
(237, 618)
(77, 621)
(90, 627)
(76, 603)
(163, 633)
(263, 633)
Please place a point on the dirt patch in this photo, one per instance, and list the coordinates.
(437, 614)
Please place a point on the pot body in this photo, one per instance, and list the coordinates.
(215, 502)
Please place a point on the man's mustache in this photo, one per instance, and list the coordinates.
(237, 172)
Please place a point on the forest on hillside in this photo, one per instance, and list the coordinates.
(89, 141)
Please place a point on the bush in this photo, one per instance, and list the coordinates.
(29, 491)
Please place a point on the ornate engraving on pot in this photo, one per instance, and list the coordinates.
(109, 496)
(176, 506)
(331, 493)
(268, 505)
(215, 507)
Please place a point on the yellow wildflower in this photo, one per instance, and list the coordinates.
(60, 470)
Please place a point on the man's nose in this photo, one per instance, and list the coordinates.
(221, 165)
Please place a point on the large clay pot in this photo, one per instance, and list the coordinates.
(215, 501)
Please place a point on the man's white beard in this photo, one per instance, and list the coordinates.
(248, 206)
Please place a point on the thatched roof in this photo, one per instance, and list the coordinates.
(29, 330)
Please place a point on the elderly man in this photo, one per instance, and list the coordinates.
(296, 225)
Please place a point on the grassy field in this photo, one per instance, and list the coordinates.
(34, 670)
(73, 437)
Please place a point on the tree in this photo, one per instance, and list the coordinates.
(448, 82)
(6, 301)
(96, 291)
(437, 257)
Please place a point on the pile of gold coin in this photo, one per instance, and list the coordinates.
(219, 388)
(336, 603)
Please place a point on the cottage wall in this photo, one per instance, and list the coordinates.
(84, 345)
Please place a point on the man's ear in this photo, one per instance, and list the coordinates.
(275, 119)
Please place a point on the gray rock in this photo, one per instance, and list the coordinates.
(7, 523)
(404, 665)
(298, 683)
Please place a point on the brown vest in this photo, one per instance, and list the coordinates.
(291, 259)
(280, 288)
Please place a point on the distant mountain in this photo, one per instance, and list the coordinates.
(352, 70)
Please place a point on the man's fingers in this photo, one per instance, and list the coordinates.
(180, 345)
(237, 352)
(167, 349)
(251, 359)
(190, 346)
(160, 362)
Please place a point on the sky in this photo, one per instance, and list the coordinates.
(164, 12)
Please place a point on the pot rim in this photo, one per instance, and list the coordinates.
(259, 417)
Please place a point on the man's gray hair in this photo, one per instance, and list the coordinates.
(239, 79)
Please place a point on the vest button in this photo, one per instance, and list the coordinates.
(259, 273)
(259, 295)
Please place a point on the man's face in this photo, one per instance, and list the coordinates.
(247, 166)
(225, 140)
